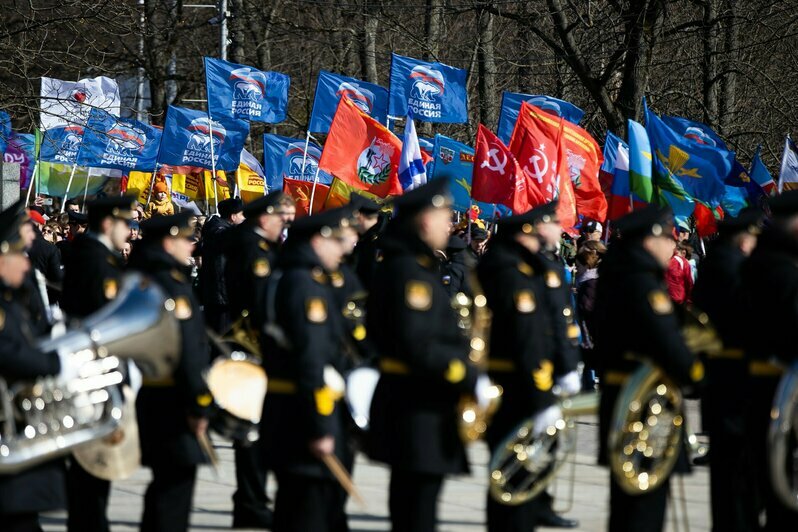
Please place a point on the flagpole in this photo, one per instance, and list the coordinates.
(213, 167)
(32, 181)
(86, 190)
(237, 190)
(152, 181)
(305, 152)
(69, 184)
(313, 191)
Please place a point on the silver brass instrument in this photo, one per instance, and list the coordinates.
(48, 417)
(648, 422)
(524, 464)
(782, 437)
(474, 318)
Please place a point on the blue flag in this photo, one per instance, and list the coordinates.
(370, 98)
(5, 131)
(240, 91)
(761, 175)
(455, 161)
(61, 144)
(186, 140)
(511, 106)
(283, 158)
(433, 91)
(695, 131)
(119, 143)
(698, 167)
(734, 200)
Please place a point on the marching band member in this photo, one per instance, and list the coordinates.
(423, 360)
(251, 253)
(513, 278)
(40, 488)
(635, 315)
(304, 422)
(717, 292)
(172, 413)
(92, 274)
(770, 292)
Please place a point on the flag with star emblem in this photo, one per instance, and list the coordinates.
(539, 148)
(361, 152)
(700, 169)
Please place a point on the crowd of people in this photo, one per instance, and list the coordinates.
(370, 285)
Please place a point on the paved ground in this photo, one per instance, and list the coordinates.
(462, 506)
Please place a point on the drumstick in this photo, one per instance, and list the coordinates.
(341, 475)
(207, 448)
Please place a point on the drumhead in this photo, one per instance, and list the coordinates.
(238, 387)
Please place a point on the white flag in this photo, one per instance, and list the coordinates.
(788, 177)
(70, 102)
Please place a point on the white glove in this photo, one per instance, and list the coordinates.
(545, 419)
(568, 384)
(70, 368)
(483, 391)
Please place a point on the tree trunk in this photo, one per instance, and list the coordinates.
(487, 70)
(728, 82)
(368, 48)
(709, 61)
(433, 23)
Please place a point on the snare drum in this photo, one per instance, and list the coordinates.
(360, 386)
(238, 384)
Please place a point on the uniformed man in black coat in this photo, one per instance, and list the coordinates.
(770, 292)
(213, 290)
(423, 360)
(717, 292)
(250, 256)
(41, 488)
(91, 279)
(369, 224)
(563, 330)
(512, 276)
(172, 413)
(304, 419)
(454, 271)
(635, 315)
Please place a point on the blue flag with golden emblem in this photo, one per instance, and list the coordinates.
(699, 168)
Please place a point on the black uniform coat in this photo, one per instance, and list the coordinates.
(307, 313)
(250, 259)
(213, 289)
(634, 315)
(717, 292)
(91, 276)
(364, 258)
(566, 354)
(42, 487)
(163, 407)
(521, 337)
(45, 257)
(357, 346)
(424, 361)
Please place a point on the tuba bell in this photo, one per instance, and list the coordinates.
(648, 424)
(782, 436)
(49, 417)
(525, 463)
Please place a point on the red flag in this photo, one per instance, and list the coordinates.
(302, 191)
(497, 177)
(706, 220)
(538, 147)
(361, 152)
(584, 160)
